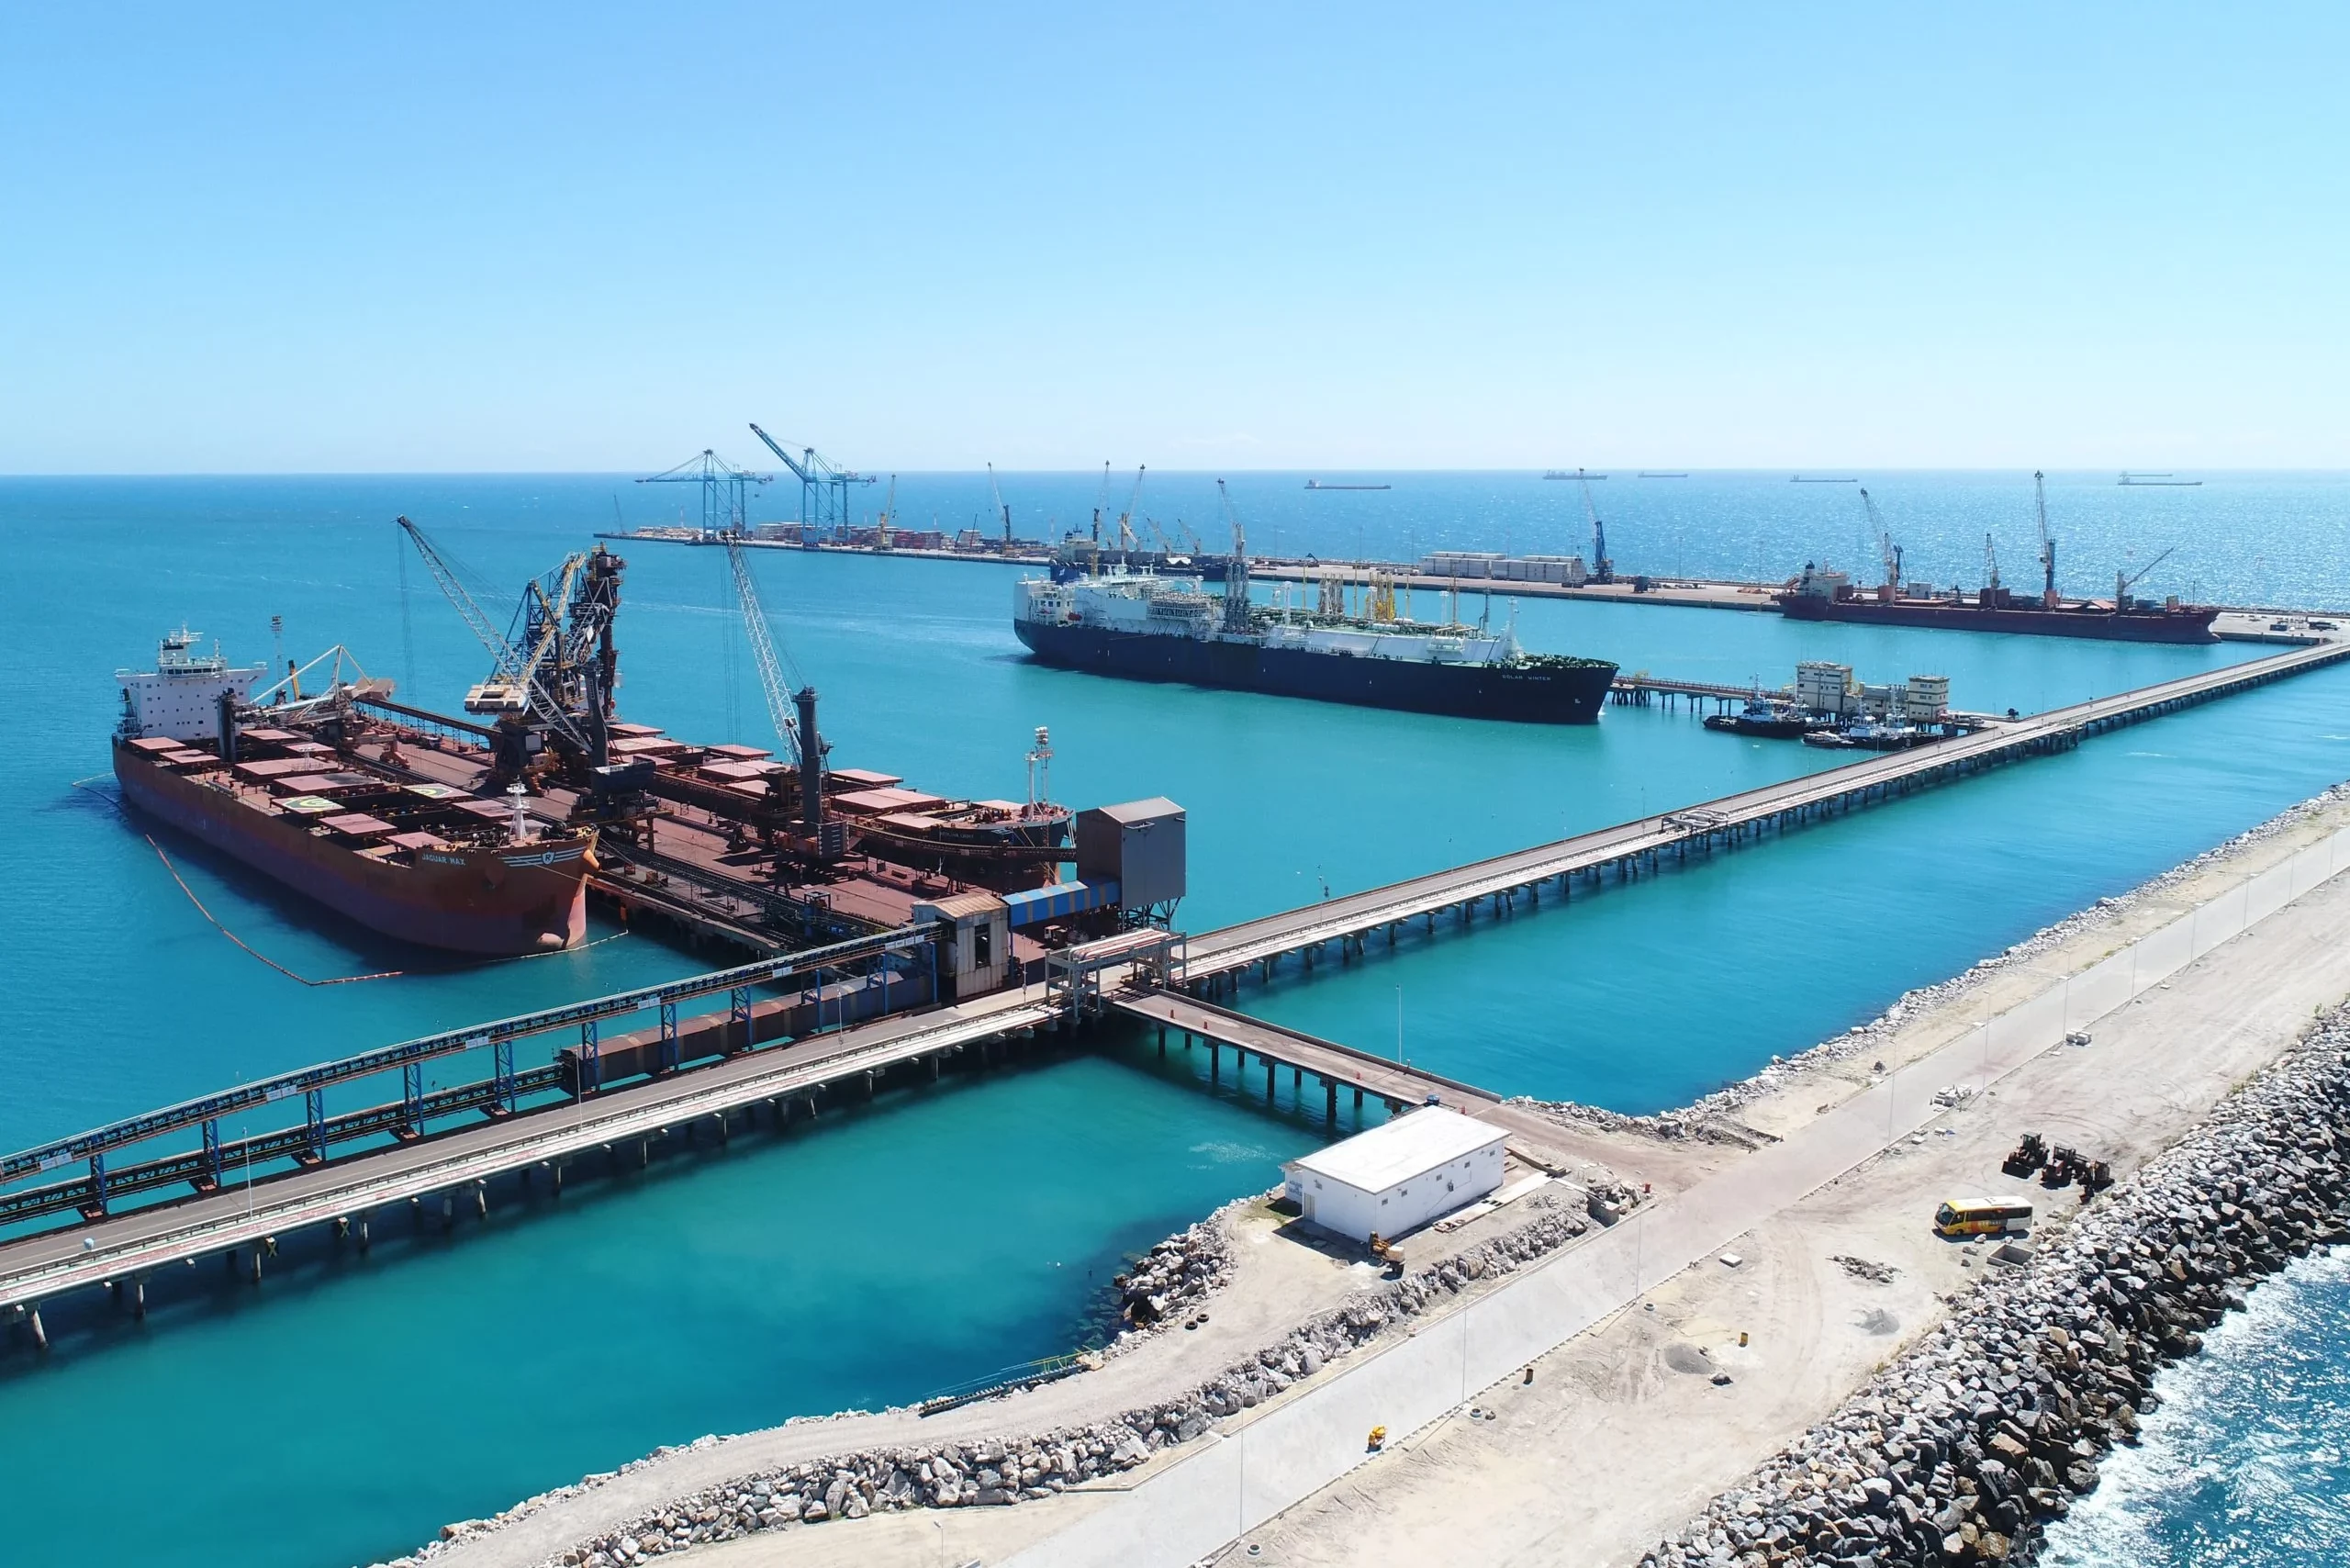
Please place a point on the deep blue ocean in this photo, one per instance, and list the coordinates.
(943, 1232)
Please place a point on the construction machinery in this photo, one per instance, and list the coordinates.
(1602, 569)
(2027, 1156)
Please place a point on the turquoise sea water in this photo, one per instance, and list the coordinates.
(445, 1378)
(2247, 1463)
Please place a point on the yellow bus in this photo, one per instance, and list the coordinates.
(1982, 1216)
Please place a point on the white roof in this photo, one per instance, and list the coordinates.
(1394, 1152)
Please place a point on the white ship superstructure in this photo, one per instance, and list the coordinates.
(1139, 605)
(180, 696)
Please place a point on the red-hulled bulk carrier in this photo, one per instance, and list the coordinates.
(423, 862)
(1818, 595)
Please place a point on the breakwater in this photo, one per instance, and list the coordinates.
(1966, 1446)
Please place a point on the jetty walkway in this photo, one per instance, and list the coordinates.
(120, 1250)
(1338, 1067)
(1628, 849)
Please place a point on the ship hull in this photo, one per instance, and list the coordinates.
(484, 902)
(2138, 626)
(1536, 695)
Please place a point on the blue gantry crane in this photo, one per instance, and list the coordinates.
(823, 488)
(725, 491)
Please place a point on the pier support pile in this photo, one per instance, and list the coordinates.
(1961, 1450)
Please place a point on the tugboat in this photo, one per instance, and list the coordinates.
(1764, 718)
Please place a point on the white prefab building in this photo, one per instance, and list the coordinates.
(1399, 1175)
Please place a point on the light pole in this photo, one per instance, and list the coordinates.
(245, 1135)
(1399, 1024)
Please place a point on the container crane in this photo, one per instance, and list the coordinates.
(1991, 567)
(2047, 543)
(2123, 582)
(889, 517)
(1887, 550)
(724, 490)
(1603, 570)
(823, 489)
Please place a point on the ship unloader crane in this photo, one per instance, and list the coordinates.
(555, 663)
(800, 735)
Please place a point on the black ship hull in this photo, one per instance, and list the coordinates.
(1570, 694)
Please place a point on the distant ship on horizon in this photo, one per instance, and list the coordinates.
(1318, 484)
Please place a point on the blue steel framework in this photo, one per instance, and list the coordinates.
(505, 1089)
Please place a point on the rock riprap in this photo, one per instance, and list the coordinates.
(1966, 1446)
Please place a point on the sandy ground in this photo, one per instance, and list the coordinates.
(1637, 1393)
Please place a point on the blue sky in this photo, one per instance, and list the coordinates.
(477, 238)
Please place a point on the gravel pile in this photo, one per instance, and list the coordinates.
(1963, 1449)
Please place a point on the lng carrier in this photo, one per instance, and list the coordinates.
(1144, 627)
